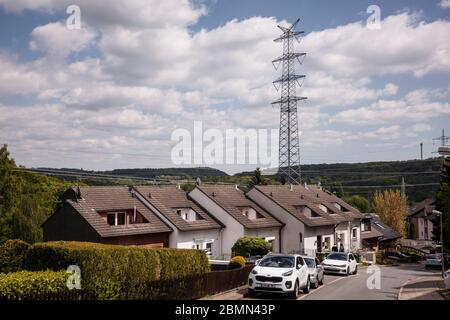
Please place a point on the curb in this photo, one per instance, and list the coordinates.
(223, 292)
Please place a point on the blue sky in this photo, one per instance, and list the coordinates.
(111, 94)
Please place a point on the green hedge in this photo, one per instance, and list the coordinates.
(250, 247)
(12, 255)
(29, 285)
(117, 272)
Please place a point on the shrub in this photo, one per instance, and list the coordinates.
(117, 272)
(236, 262)
(12, 255)
(380, 257)
(178, 263)
(250, 247)
(29, 285)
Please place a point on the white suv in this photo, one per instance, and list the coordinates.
(340, 262)
(279, 273)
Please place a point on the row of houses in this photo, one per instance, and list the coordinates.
(292, 218)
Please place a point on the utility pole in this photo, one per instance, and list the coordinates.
(289, 147)
(421, 151)
(403, 187)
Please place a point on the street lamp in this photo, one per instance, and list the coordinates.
(442, 243)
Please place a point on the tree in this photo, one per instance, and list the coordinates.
(392, 207)
(443, 205)
(250, 247)
(359, 202)
(26, 200)
(257, 179)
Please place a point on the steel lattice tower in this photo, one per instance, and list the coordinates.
(289, 148)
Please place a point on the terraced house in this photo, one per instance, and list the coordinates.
(240, 215)
(112, 215)
(314, 219)
(193, 227)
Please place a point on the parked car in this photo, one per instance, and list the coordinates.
(316, 274)
(433, 261)
(340, 262)
(280, 273)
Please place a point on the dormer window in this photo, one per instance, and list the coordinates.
(250, 213)
(188, 214)
(116, 218)
(338, 206)
(306, 212)
(125, 217)
(323, 208)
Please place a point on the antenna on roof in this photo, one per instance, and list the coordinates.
(78, 192)
(291, 187)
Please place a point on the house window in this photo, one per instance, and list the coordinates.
(209, 248)
(354, 232)
(111, 219)
(188, 214)
(115, 218)
(250, 213)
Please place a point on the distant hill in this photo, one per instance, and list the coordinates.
(421, 177)
(125, 176)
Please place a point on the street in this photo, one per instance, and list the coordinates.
(354, 287)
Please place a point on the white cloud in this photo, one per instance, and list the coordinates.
(444, 4)
(56, 41)
(415, 106)
(354, 50)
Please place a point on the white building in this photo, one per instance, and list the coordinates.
(193, 228)
(315, 220)
(240, 216)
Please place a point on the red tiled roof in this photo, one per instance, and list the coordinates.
(166, 199)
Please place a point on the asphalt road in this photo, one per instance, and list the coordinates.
(355, 287)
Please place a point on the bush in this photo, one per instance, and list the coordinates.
(250, 247)
(117, 272)
(380, 257)
(12, 255)
(236, 262)
(29, 285)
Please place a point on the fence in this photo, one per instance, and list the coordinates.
(187, 288)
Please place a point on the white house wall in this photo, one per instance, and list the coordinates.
(290, 234)
(233, 229)
(189, 240)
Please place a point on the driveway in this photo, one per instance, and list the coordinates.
(355, 287)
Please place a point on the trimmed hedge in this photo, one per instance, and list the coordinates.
(236, 262)
(117, 272)
(28, 285)
(13, 254)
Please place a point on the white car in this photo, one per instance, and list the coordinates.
(279, 273)
(340, 262)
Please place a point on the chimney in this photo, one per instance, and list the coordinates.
(178, 186)
(306, 186)
(150, 195)
(291, 187)
(198, 181)
(213, 194)
(236, 187)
